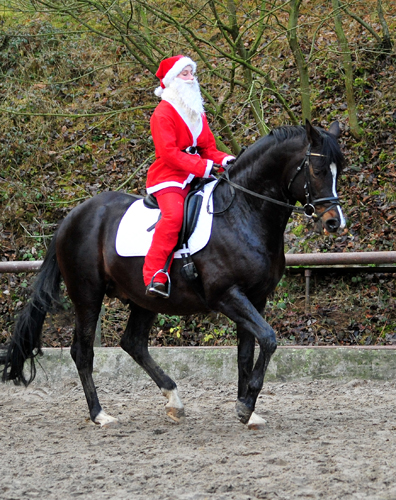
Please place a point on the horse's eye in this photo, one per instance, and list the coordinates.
(318, 169)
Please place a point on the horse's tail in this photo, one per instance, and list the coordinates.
(26, 340)
(3, 355)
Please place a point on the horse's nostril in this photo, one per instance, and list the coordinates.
(332, 225)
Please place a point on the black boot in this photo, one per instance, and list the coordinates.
(155, 289)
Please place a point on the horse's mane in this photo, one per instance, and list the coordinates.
(286, 132)
(330, 147)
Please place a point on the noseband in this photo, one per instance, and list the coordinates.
(309, 209)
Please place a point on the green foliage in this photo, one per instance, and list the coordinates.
(180, 330)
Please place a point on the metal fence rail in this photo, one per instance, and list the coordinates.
(308, 262)
(21, 266)
(298, 260)
(340, 259)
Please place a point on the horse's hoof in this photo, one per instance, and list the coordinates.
(174, 407)
(256, 423)
(176, 414)
(105, 420)
(243, 412)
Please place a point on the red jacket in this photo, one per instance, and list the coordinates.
(171, 136)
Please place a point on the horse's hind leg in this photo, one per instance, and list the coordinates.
(135, 343)
(83, 355)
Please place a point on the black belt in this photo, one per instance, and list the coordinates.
(191, 150)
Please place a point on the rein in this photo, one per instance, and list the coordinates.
(308, 209)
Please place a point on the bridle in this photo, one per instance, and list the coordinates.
(309, 209)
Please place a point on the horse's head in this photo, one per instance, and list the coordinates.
(316, 177)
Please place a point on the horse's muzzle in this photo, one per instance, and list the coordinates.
(332, 219)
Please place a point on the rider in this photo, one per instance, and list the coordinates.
(184, 148)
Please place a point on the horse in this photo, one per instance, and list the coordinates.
(238, 268)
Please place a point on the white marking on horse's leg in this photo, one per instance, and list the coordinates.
(103, 419)
(256, 423)
(333, 168)
(174, 406)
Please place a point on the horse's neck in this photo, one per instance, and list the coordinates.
(265, 176)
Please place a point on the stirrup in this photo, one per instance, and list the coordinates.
(160, 293)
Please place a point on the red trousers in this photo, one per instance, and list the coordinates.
(166, 234)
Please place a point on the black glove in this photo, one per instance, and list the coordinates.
(215, 169)
(229, 163)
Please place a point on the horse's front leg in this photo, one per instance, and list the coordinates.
(246, 345)
(250, 325)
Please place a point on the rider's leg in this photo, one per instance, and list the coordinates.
(165, 236)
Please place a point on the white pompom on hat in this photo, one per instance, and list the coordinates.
(169, 69)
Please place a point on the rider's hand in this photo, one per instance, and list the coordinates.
(229, 162)
(215, 169)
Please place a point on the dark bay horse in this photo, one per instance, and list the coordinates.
(240, 266)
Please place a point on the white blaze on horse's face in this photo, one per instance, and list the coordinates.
(333, 169)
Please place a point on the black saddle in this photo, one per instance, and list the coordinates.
(192, 208)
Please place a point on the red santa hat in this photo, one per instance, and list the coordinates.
(169, 69)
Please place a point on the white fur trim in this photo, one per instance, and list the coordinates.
(177, 68)
(166, 184)
(224, 162)
(209, 166)
(158, 91)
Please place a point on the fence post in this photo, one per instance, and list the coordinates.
(307, 273)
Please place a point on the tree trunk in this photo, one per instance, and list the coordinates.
(299, 58)
(387, 42)
(356, 131)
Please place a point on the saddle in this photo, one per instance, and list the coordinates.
(192, 207)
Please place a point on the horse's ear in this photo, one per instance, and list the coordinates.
(335, 129)
(312, 134)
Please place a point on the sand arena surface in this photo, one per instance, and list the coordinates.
(324, 439)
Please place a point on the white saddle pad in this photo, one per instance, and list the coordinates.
(133, 239)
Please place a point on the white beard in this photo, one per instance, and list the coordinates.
(187, 95)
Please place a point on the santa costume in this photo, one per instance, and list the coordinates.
(179, 128)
